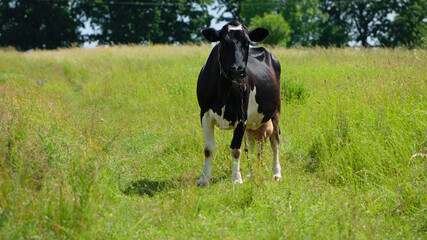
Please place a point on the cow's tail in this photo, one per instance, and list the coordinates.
(276, 128)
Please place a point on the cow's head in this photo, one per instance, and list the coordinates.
(233, 49)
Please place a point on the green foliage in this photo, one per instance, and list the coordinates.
(408, 27)
(334, 30)
(139, 22)
(106, 143)
(233, 7)
(304, 18)
(367, 18)
(336, 23)
(280, 32)
(28, 25)
(332, 35)
(38, 24)
(292, 91)
(252, 8)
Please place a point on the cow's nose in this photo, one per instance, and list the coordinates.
(238, 72)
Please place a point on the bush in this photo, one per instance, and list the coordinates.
(280, 32)
(293, 91)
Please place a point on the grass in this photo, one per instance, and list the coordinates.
(106, 144)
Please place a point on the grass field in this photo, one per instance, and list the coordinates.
(106, 144)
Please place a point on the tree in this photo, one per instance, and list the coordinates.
(143, 21)
(304, 18)
(334, 30)
(233, 7)
(252, 8)
(367, 18)
(408, 27)
(280, 32)
(27, 24)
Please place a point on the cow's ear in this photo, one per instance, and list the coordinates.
(258, 34)
(211, 34)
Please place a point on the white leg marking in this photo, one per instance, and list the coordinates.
(236, 177)
(209, 150)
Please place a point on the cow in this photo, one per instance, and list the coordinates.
(239, 89)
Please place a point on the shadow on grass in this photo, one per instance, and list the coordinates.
(147, 187)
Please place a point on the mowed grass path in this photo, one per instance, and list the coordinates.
(106, 144)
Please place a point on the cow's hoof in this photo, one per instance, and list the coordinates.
(203, 182)
(238, 181)
(277, 177)
(237, 178)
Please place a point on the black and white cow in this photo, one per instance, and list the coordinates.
(239, 88)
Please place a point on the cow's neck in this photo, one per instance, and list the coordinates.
(234, 94)
(226, 85)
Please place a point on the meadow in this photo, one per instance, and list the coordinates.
(106, 143)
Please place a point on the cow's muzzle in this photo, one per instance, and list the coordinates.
(237, 72)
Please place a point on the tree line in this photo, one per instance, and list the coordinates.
(48, 24)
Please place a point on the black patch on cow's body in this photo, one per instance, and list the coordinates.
(264, 74)
(236, 142)
(214, 92)
(207, 153)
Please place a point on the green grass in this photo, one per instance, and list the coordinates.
(106, 144)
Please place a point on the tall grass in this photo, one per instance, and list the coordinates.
(106, 143)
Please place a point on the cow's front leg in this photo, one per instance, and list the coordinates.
(208, 134)
(235, 152)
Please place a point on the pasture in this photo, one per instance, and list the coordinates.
(106, 144)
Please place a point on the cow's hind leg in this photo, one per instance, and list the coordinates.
(275, 141)
(208, 134)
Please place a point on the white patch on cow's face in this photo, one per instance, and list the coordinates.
(254, 117)
(220, 121)
(231, 28)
